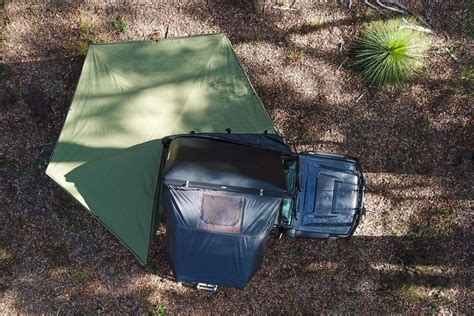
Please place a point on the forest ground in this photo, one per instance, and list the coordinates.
(412, 254)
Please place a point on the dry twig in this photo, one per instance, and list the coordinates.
(283, 8)
(360, 97)
(343, 62)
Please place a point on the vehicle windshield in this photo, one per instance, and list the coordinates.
(288, 202)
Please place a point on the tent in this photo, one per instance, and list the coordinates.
(222, 197)
(128, 98)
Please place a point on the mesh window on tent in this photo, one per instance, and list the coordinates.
(220, 213)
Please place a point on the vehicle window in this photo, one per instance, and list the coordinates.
(221, 213)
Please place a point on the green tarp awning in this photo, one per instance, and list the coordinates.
(129, 96)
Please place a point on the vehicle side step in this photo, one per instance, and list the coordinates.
(207, 287)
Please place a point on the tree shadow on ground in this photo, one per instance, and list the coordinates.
(394, 132)
(76, 265)
(75, 272)
(58, 258)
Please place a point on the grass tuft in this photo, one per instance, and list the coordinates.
(79, 276)
(77, 48)
(159, 310)
(120, 25)
(388, 52)
(88, 30)
(86, 27)
(466, 79)
(51, 9)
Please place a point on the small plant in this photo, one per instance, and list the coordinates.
(32, 7)
(300, 253)
(120, 25)
(295, 55)
(52, 9)
(80, 276)
(88, 30)
(78, 48)
(159, 310)
(43, 159)
(466, 80)
(388, 52)
(5, 255)
(415, 293)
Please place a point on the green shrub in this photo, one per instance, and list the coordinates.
(120, 25)
(86, 27)
(159, 310)
(388, 52)
(78, 48)
(88, 34)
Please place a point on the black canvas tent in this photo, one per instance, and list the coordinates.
(222, 195)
